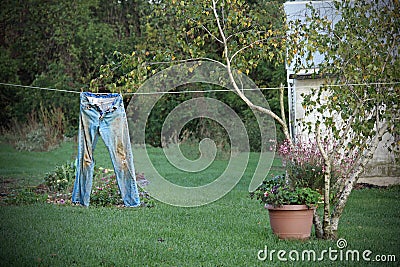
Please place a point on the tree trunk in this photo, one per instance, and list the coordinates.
(352, 180)
(327, 227)
(319, 231)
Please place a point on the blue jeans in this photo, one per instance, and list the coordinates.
(104, 115)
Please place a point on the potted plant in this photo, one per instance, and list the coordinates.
(297, 192)
(290, 208)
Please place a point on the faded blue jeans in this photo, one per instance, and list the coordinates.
(104, 115)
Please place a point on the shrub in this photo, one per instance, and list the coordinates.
(33, 141)
(24, 196)
(42, 131)
(105, 191)
(61, 178)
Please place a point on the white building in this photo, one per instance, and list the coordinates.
(381, 169)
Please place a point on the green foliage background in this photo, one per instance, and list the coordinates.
(72, 45)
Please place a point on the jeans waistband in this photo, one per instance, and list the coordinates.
(104, 102)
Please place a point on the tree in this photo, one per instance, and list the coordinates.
(187, 30)
(359, 106)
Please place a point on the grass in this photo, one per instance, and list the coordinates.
(228, 232)
(29, 168)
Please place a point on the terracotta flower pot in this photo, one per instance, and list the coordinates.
(291, 221)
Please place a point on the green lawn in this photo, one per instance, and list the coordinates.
(30, 167)
(228, 232)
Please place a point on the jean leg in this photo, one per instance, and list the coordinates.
(88, 136)
(115, 134)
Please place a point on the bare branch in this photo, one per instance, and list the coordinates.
(347, 130)
(281, 102)
(208, 31)
(185, 60)
(390, 52)
(219, 23)
(212, 35)
(247, 46)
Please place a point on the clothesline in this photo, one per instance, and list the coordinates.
(40, 88)
(140, 93)
(198, 91)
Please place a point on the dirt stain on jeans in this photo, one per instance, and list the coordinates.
(87, 160)
(121, 154)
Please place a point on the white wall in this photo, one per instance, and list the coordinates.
(381, 170)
